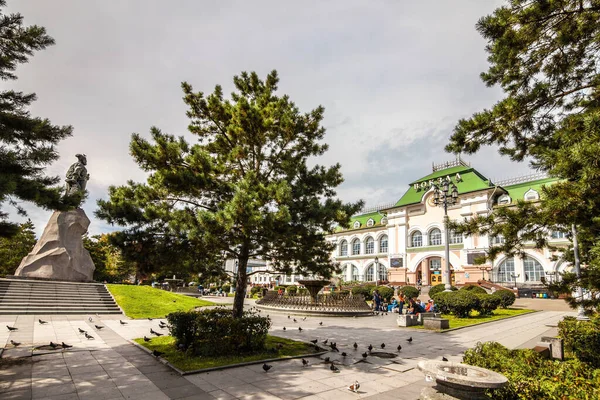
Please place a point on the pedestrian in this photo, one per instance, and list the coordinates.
(376, 300)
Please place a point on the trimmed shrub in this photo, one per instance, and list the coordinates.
(582, 338)
(530, 376)
(291, 289)
(216, 332)
(442, 302)
(226, 288)
(409, 291)
(487, 303)
(507, 297)
(385, 292)
(461, 303)
(255, 290)
(474, 289)
(439, 288)
(366, 291)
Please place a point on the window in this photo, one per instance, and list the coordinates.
(384, 221)
(533, 269)
(288, 278)
(435, 237)
(355, 247)
(435, 264)
(356, 225)
(416, 240)
(370, 245)
(504, 199)
(456, 237)
(558, 235)
(497, 239)
(370, 276)
(344, 272)
(355, 275)
(505, 271)
(344, 248)
(531, 195)
(383, 244)
(370, 222)
(382, 272)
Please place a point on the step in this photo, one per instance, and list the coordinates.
(54, 312)
(52, 306)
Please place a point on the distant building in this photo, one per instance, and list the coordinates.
(403, 243)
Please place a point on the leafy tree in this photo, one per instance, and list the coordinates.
(544, 55)
(14, 248)
(110, 264)
(26, 142)
(244, 190)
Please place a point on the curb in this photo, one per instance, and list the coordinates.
(487, 322)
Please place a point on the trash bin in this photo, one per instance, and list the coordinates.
(545, 295)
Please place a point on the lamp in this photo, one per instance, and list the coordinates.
(448, 196)
(376, 271)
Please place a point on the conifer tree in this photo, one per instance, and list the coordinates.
(244, 190)
(26, 142)
(14, 248)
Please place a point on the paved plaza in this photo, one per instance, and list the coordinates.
(111, 367)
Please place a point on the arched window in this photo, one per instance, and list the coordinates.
(370, 276)
(504, 199)
(344, 248)
(382, 273)
(456, 237)
(416, 239)
(356, 225)
(344, 272)
(531, 195)
(370, 222)
(355, 275)
(384, 221)
(355, 247)
(383, 244)
(435, 237)
(533, 269)
(370, 245)
(505, 271)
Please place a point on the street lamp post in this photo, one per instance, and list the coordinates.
(447, 196)
(483, 269)
(376, 271)
(515, 276)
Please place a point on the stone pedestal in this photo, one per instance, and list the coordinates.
(436, 323)
(59, 253)
(408, 320)
(557, 347)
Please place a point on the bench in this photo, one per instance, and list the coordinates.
(436, 323)
(408, 320)
(428, 315)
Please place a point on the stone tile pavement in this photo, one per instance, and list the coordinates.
(110, 367)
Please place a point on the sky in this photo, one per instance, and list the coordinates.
(394, 78)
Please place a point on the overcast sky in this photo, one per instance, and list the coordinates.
(394, 78)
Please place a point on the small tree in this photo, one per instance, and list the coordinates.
(14, 248)
(244, 190)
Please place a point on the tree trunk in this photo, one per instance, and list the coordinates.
(240, 285)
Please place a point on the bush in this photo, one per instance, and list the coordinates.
(366, 291)
(460, 303)
(216, 332)
(439, 288)
(442, 302)
(582, 338)
(291, 289)
(385, 292)
(474, 289)
(226, 288)
(530, 376)
(255, 290)
(507, 297)
(487, 303)
(409, 291)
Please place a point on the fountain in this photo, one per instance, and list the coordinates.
(457, 381)
(334, 304)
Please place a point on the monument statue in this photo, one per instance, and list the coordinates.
(77, 176)
(59, 253)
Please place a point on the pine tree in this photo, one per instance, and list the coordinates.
(244, 190)
(26, 142)
(13, 249)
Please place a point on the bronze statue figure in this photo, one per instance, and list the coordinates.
(77, 176)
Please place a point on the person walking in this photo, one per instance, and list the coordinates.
(376, 300)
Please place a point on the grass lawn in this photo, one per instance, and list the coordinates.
(147, 302)
(475, 319)
(166, 344)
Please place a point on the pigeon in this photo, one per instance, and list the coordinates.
(334, 347)
(325, 341)
(409, 340)
(326, 359)
(11, 328)
(66, 346)
(98, 327)
(321, 323)
(364, 354)
(88, 336)
(90, 319)
(149, 319)
(289, 317)
(399, 348)
(14, 343)
(370, 347)
(444, 359)
(158, 334)
(122, 322)
(333, 368)
(355, 346)
(304, 319)
(304, 362)
(354, 388)
(81, 330)
(146, 339)
(53, 345)
(314, 341)
(300, 328)
(295, 320)
(266, 367)
(344, 354)
(152, 331)
(284, 328)
(157, 353)
(42, 322)
(383, 345)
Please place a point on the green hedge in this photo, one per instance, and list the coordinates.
(487, 303)
(291, 289)
(216, 332)
(385, 292)
(531, 376)
(582, 338)
(255, 290)
(409, 291)
(462, 302)
(366, 291)
(507, 297)
(474, 289)
(439, 288)
(442, 300)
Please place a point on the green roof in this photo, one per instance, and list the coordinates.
(517, 191)
(470, 181)
(363, 218)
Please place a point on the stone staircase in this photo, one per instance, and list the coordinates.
(20, 296)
